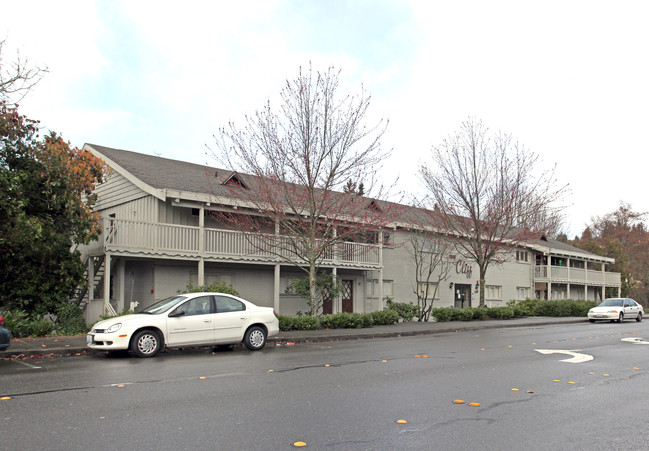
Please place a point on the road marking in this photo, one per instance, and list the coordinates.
(29, 365)
(638, 341)
(577, 357)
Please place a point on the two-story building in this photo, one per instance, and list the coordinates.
(160, 233)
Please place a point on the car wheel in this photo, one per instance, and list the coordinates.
(146, 343)
(639, 317)
(621, 318)
(255, 338)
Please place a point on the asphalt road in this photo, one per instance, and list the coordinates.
(346, 395)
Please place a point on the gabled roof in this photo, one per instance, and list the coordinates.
(157, 175)
(166, 178)
(556, 247)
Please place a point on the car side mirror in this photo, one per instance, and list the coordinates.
(176, 314)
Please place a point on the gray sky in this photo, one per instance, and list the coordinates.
(569, 79)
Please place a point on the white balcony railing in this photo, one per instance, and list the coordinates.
(127, 235)
(562, 274)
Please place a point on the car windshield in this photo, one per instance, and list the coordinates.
(612, 303)
(163, 306)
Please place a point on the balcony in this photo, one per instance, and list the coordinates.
(563, 274)
(134, 238)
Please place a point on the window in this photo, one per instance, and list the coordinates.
(373, 288)
(197, 306)
(522, 293)
(431, 287)
(521, 256)
(226, 304)
(493, 292)
(383, 237)
(286, 282)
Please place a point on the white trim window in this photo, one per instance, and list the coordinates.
(432, 287)
(522, 293)
(373, 288)
(493, 292)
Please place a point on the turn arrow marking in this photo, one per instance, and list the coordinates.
(638, 341)
(577, 357)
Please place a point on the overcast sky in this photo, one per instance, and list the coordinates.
(569, 79)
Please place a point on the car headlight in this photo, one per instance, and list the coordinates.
(114, 328)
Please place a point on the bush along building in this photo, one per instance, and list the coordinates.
(167, 223)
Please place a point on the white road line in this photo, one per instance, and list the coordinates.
(638, 341)
(577, 357)
(29, 365)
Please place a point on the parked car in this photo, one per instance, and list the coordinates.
(616, 309)
(5, 335)
(196, 319)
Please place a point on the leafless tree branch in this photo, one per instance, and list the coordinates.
(18, 77)
(490, 193)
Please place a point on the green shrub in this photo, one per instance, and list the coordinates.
(346, 321)
(581, 307)
(464, 314)
(385, 317)
(285, 322)
(524, 308)
(442, 314)
(500, 312)
(39, 327)
(305, 322)
(17, 321)
(406, 311)
(70, 320)
(479, 312)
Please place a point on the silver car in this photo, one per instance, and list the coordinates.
(616, 309)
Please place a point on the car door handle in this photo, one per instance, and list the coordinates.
(208, 320)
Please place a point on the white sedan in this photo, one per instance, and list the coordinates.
(194, 319)
(616, 309)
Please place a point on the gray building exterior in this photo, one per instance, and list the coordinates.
(159, 234)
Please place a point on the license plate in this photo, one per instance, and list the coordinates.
(89, 339)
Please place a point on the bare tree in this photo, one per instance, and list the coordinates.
(300, 158)
(17, 78)
(430, 254)
(490, 194)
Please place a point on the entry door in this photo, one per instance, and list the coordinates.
(462, 296)
(348, 296)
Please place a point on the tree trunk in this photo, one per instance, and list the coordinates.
(313, 288)
(483, 273)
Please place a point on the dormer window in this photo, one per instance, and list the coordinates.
(374, 207)
(235, 181)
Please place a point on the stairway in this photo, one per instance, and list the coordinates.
(82, 296)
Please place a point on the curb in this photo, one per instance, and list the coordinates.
(299, 337)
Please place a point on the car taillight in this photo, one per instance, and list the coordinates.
(275, 313)
(2, 320)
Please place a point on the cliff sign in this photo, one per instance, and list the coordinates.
(462, 267)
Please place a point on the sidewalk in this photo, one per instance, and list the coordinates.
(76, 345)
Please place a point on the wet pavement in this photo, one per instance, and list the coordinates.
(22, 348)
